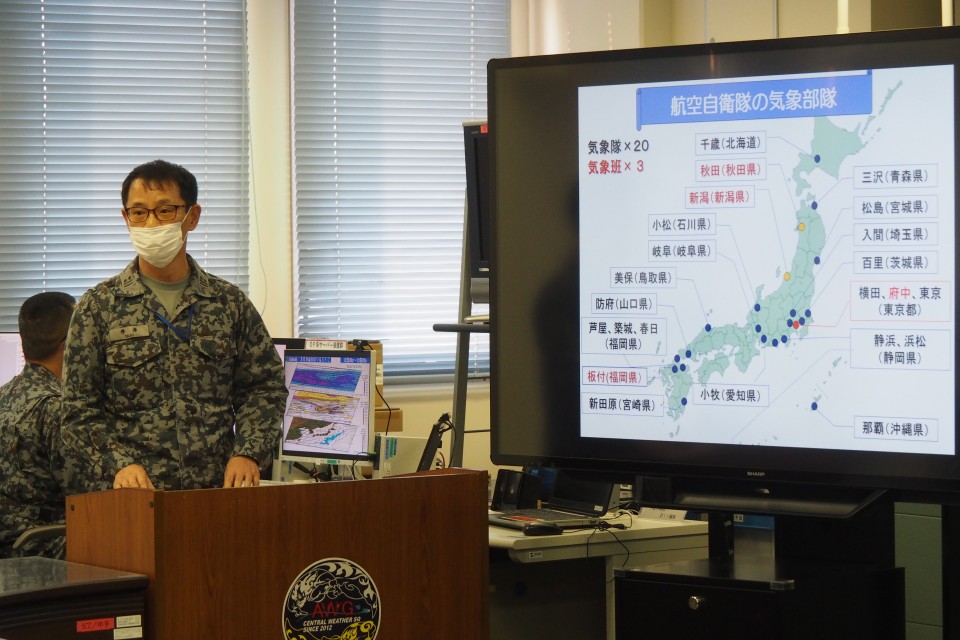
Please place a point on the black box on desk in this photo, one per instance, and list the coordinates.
(41, 599)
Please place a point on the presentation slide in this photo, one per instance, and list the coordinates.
(756, 250)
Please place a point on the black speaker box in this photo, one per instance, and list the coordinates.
(515, 489)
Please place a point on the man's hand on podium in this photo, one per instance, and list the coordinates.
(133, 476)
(241, 472)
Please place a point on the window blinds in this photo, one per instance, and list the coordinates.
(87, 92)
(380, 91)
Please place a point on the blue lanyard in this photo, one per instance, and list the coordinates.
(185, 336)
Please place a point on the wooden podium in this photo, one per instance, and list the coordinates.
(222, 562)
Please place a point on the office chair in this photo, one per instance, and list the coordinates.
(35, 534)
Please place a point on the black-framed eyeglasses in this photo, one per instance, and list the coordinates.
(163, 213)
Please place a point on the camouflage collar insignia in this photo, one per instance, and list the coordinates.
(200, 281)
(128, 282)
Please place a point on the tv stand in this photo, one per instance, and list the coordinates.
(469, 324)
(825, 578)
(738, 496)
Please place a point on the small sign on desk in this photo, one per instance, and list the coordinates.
(651, 513)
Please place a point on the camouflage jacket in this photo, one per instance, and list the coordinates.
(31, 464)
(166, 393)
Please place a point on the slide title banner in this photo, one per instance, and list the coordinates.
(756, 100)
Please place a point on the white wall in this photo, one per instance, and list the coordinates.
(561, 26)
(271, 260)
(564, 26)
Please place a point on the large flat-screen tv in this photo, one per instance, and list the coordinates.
(728, 272)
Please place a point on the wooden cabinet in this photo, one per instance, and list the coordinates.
(759, 601)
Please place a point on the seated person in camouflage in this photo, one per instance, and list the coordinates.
(31, 462)
(171, 380)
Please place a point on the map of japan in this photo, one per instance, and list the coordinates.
(757, 248)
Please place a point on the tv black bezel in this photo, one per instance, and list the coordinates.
(718, 471)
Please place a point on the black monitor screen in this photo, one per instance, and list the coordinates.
(477, 165)
(282, 344)
(730, 261)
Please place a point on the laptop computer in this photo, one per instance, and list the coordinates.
(567, 502)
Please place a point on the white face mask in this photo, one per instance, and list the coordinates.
(158, 245)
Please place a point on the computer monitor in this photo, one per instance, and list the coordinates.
(330, 405)
(477, 206)
(282, 344)
(11, 357)
(430, 447)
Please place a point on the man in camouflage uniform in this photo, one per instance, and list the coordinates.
(171, 380)
(31, 463)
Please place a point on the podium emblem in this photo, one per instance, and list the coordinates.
(332, 599)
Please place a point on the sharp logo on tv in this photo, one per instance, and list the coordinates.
(756, 474)
(332, 599)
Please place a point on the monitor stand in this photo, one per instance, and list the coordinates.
(865, 537)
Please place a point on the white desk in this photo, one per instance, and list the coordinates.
(643, 542)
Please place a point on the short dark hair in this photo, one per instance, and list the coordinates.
(160, 172)
(44, 319)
